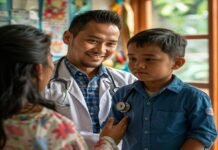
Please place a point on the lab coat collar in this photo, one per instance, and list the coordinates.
(73, 88)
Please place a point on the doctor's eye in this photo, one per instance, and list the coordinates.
(111, 44)
(92, 41)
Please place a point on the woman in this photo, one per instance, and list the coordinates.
(27, 121)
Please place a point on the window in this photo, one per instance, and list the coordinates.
(190, 19)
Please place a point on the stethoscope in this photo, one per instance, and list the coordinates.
(122, 106)
(113, 86)
(62, 81)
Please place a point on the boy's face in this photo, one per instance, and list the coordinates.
(150, 64)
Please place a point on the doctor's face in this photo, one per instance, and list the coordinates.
(92, 45)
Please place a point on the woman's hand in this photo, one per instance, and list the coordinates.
(116, 131)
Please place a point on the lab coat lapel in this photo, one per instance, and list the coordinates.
(105, 99)
(104, 86)
(74, 89)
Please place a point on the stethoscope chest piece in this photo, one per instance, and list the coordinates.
(122, 107)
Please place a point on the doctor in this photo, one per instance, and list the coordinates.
(82, 86)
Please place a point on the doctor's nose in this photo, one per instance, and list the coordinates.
(100, 47)
(104, 48)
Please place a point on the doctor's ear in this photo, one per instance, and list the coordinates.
(179, 62)
(67, 37)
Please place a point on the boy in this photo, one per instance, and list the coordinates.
(164, 112)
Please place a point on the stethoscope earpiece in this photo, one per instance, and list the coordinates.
(123, 107)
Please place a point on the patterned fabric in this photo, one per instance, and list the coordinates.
(42, 131)
(46, 130)
(90, 89)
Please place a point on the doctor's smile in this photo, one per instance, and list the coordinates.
(95, 56)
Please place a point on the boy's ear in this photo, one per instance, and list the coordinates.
(67, 37)
(179, 62)
(39, 71)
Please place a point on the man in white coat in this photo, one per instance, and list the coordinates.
(82, 86)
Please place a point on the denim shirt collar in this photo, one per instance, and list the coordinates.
(175, 85)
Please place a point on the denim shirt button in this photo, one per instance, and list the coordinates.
(145, 132)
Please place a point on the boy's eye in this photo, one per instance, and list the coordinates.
(132, 59)
(150, 59)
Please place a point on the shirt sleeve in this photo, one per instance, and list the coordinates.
(105, 142)
(201, 125)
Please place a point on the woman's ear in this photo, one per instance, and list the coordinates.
(179, 62)
(39, 71)
(67, 37)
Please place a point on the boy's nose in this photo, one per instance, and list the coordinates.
(140, 65)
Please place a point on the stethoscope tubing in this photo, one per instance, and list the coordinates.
(113, 85)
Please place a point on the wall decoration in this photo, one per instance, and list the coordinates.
(55, 21)
(123, 8)
(25, 12)
(4, 12)
(78, 6)
(56, 17)
(4, 8)
(55, 10)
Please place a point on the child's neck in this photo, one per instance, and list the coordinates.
(156, 86)
(150, 93)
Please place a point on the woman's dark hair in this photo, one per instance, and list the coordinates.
(21, 48)
(99, 16)
(169, 42)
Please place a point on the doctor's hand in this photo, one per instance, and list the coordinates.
(116, 131)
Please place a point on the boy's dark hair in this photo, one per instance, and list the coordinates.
(99, 16)
(170, 42)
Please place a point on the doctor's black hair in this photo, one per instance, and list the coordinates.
(21, 48)
(167, 40)
(99, 16)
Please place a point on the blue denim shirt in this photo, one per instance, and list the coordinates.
(164, 121)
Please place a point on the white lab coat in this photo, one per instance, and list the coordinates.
(71, 103)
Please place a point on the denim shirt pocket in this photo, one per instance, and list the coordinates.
(168, 121)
